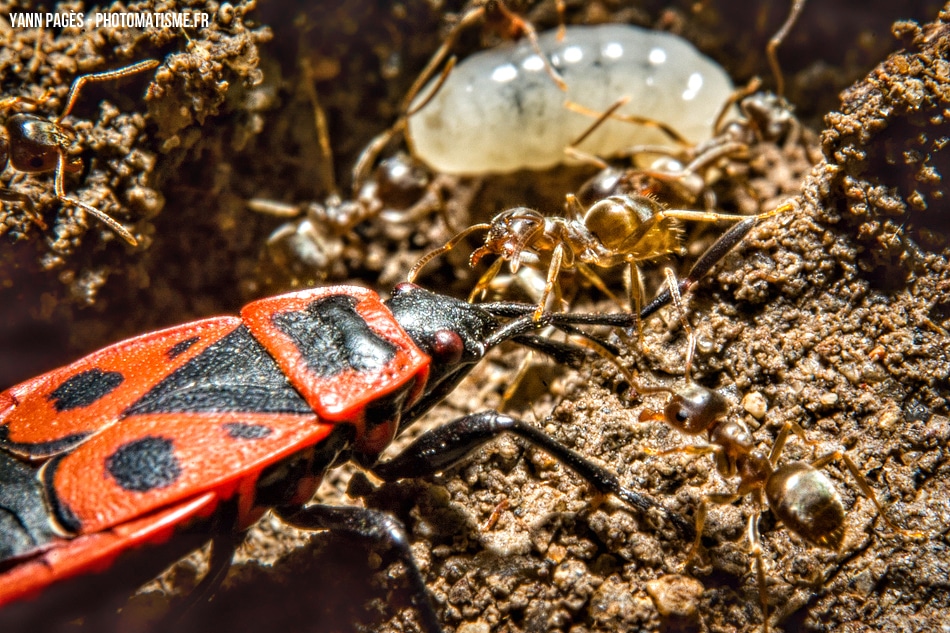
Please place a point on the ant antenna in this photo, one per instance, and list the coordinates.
(771, 49)
(452, 243)
(107, 75)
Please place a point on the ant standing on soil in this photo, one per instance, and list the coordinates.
(800, 496)
(37, 144)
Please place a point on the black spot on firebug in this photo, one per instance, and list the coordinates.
(84, 389)
(334, 338)
(180, 348)
(144, 464)
(245, 431)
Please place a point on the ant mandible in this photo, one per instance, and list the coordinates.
(36, 144)
(798, 493)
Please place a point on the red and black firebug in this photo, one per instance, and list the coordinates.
(147, 449)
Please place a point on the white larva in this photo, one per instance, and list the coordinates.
(499, 111)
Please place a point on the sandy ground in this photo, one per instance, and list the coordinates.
(833, 316)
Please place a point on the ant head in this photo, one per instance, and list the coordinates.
(694, 409)
(769, 115)
(35, 143)
(509, 234)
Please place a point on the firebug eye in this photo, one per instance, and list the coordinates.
(447, 347)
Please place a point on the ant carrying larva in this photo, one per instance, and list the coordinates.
(628, 228)
(505, 132)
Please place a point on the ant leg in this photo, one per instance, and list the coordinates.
(370, 525)
(726, 242)
(512, 26)
(737, 95)
(108, 75)
(689, 449)
(23, 199)
(700, 523)
(755, 548)
(371, 152)
(523, 368)
(673, 285)
(557, 256)
(102, 217)
(580, 155)
(561, 29)
(585, 157)
(771, 49)
(440, 54)
(575, 210)
(779, 444)
(635, 292)
(9, 102)
(598, 283)
(555, 76)
(611, 113)
(713, 154)
(325, 171)
(447, 445)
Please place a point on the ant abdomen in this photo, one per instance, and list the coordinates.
(805, 500)
(616, 222)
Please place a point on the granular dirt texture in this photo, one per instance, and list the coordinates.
(131, 134)
(833, 315)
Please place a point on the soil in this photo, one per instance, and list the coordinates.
(833, 316)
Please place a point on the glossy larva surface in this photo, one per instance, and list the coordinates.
(499, 111)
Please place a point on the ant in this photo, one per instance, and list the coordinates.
(798, 493)
(36, 144)
(688, 170)
(622, 229)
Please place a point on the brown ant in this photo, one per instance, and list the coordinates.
(35, 144)
(798, 493)
(687, 170)
(624, 229)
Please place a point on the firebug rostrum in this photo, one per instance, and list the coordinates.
(190, 434)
